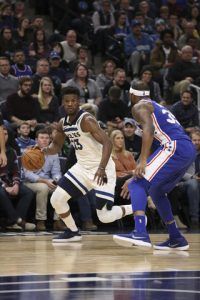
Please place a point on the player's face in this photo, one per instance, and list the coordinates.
(133, 98)
(43, 140)
(196, 141)
(71, 104)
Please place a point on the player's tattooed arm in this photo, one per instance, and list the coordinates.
(142, 114)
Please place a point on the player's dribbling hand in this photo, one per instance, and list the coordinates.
(101, 177)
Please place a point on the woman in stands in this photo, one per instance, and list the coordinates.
(124, 163)
(106, 75)
(48, 102)
(89, 91)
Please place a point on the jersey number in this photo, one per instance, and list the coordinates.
(76, 144)
(170, 117)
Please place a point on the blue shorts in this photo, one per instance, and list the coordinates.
(167, 165)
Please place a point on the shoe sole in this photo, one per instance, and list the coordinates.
(126, 242)
(183, 248)
(72, 239)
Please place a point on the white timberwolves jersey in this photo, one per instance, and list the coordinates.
(88, 150)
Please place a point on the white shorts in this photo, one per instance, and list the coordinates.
(78, 181)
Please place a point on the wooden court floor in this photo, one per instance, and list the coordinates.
(31, 266)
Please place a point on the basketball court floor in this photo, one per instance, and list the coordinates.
(97, 268)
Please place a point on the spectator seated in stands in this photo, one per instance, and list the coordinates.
(48, 102)
(39, 48)
(43, 182)
(106, 75)
(70, 47)
(8, 83)
(121, 28)
(183, 72)
(186, 112)
(137, 46)
(89, 91)
(19, 68)
(23, 140)
(113, 110)
(42, 70)
(83, 58)
(163, 56)
(8, 44)
(21, 106)
(189, 31)
(55, 69)
(124, 164)
(132, 139)
(103, 21)
(120, 81)
(23, 33)
(160, 25)
(15, 197)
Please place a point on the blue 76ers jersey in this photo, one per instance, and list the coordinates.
(167, 128)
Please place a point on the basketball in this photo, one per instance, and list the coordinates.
(33, 159)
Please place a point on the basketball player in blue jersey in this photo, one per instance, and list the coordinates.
(94, 169)
(156, 174)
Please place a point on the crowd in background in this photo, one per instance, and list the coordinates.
(102, 48)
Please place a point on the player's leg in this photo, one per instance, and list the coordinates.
(106, 211)
(164, 181)
(139, 237)
(71, 185)
(176, 240)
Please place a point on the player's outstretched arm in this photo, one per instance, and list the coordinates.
(57, 142)
(142, 114)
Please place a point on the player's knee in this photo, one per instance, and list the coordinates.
(139, 182)
(59, 199)
(104, 215)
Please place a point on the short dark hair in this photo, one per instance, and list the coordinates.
(42, 131)
(166, 31)
(24, 79)
(70, 90)
(140, 86)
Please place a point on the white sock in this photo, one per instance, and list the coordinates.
(69, 222)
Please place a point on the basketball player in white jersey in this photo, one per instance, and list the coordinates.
(94, 169)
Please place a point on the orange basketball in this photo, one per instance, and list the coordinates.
(33, 159)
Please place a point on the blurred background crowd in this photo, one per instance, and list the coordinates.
(102, 48)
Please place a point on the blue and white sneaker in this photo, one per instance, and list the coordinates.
(67, 236)
(133, 239)
(173, 244)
